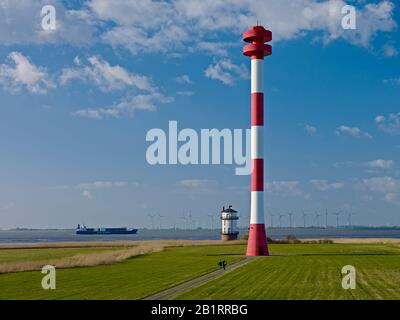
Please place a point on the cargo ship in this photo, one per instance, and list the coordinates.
(88, 231)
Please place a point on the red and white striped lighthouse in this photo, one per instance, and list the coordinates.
(257, 50)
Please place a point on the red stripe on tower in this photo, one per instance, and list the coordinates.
(257, 109)
(257, 49)
(257, 175)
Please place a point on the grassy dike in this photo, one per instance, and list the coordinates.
(133, 278)
(310, 272)
(293, 271)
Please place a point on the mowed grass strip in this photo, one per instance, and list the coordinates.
(134, 278)
(309, 272)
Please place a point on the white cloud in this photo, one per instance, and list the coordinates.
(379, 119)
(323, 185)
(170, 26)
(128, 106)
(181, 23)
(380, 164)
(344, 164)
(381, 184)
(389, 50)
(104, 75)
(196, 183)
(87, 188)
(185, 93)
(389, 124)
(20, 73)
(102, 185)
(311, 130)
(20, 22)
(87, 194)
(215, 48)
(183, 79)
(286, 188)
(389, 186)
(137, 39)
(394, 81)
(96, 185)
(143, 206)
(352, 131)
(391, 197)
(226, 72)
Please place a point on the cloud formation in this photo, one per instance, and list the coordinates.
(380, 164)
(20, 73)
(182, 22)
(311, 130)
(178, 25)
(389, 124)
(105, 76)
(126, 107)
(324, 185)
(286, 188)
(226, 72)
(352, 131)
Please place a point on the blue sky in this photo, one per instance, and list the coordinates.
(77, 102)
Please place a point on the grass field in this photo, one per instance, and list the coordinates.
(310, 272)
(300, 271)
(134, 278)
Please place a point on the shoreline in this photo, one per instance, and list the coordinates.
(177, 243)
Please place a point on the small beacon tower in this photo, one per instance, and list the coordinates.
(257, 50)
(229, 224)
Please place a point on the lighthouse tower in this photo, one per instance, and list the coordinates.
(229, 219)
(257, 50)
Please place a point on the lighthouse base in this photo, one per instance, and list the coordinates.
(229, 236)
(257, 242)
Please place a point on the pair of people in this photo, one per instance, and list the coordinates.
(222, 264)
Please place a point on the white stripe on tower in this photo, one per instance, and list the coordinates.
(257, 75)
(257, 145)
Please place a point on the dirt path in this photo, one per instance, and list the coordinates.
(164, 295)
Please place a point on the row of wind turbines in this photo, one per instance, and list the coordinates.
(188, 222)
(318, 222)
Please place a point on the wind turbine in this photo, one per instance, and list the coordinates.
(280, 220)
(290, 214)
(190, 219)
(212, 220)
(326, 218)
(317, 216)
(337, 214)
(350, 214)
(272, 220)
(151, 216)
(183, 217)
(159, 220)
(304, 218)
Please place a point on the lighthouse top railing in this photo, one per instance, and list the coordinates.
(229, 216)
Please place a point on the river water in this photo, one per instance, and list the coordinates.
(68, 235)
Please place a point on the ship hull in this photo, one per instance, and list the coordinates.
(106, 231)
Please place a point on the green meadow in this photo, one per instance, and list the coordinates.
(134, 278)
(293, 271)
(310, 272)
